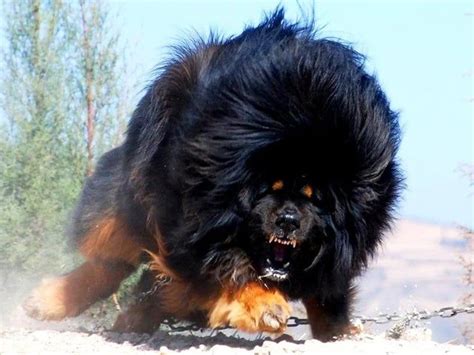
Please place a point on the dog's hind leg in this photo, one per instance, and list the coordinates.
(111, 256)
(146, 315)
(71, 294)
(142, 317)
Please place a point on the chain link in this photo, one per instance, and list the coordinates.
(296, 322)
(402, 320)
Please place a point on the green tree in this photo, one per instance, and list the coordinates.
(60, 67)
(101, 78)
(39, 161)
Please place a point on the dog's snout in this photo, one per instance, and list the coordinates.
(289, 210)
(288, 220)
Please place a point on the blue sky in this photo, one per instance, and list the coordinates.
(422, 52)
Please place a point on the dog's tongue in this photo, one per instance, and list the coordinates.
(279, 252)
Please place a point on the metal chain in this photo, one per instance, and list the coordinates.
(161, 281)
(175, 325)
(444, 312)
(382, 318)
(403, 321)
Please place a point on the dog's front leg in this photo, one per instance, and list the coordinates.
(330, 320)
(251, 308)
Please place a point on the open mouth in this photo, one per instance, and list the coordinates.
(278, 261)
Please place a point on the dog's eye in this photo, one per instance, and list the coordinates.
(307, 190)
(277, 185)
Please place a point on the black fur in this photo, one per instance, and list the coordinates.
(226, 118)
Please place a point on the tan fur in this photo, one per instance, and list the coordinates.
(47, 301)
(277, 185)
(71, 294)
(110, 253)
(109, 239)
(253, 308)
(308, 191)
(177, 297)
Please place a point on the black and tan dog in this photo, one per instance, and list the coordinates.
(256, 170)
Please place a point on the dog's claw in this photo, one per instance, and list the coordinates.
(275, 317)
(271, 321)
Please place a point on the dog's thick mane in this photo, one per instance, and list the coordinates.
(326, 115)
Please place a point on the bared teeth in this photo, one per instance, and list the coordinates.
(274, 239)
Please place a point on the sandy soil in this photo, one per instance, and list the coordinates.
(50, 341)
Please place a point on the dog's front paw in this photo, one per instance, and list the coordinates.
(46, 302)
(253, 308)
(272, 317)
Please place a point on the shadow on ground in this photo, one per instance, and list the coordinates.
(185, 341)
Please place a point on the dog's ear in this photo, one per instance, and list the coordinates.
(165, 100)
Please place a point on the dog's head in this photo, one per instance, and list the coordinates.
(310, 213)
(306, 213)
(282, 222)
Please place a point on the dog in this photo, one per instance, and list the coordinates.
(256, 170)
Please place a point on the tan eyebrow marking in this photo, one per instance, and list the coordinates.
(277, 185)
(307, 191)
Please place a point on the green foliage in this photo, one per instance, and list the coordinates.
(42, 123)
(102, 72)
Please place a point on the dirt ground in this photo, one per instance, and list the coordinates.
(52, 341)
(87, 334)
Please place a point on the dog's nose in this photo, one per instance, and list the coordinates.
(288, 221)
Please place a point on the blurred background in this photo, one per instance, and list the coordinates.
(71, 73)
